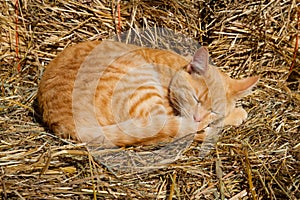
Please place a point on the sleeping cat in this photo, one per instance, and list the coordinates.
(115, 94)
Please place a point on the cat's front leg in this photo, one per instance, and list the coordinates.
(236, 117)
(203, 124)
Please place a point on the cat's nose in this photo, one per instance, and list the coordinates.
(200, 114)
(197, 118)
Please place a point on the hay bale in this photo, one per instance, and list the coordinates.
(258, 160)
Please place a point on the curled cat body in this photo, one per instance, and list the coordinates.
(114, 94)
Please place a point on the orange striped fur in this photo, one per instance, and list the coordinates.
(111, 93)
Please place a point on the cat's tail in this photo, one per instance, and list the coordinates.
(160, 128)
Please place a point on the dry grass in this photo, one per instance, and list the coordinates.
(258, 160)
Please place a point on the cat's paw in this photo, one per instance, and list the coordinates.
(209, 118)
(199, 137)
(236, 117)
(208, 134)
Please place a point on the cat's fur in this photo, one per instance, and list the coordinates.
(118, 94)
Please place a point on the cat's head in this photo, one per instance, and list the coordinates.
(206, 83)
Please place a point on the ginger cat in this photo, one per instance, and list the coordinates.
(114, 94)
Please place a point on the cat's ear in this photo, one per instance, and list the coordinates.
(199, 62)
(243, 87)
